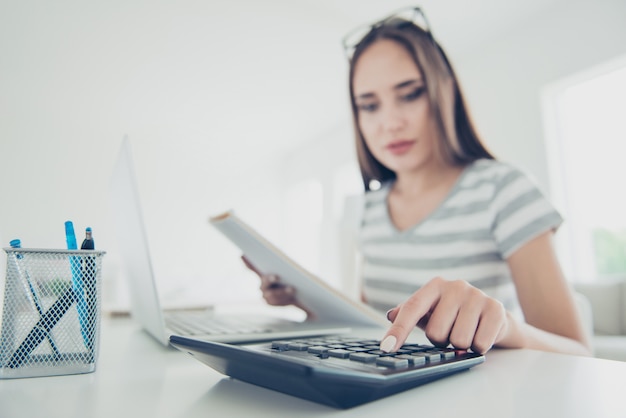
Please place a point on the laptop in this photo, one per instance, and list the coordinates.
(145, 306)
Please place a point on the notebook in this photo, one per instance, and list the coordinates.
(144, 298)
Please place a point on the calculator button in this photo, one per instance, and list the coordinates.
(363, 357)
(412, 359)
(430, 357)
(448, 353)
(318, 349)
(392, 362)
(280, 345)
(297, 346)
(340, 353)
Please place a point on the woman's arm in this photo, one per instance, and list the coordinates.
(457, 313)
(552, 319)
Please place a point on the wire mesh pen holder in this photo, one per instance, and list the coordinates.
(51, 312)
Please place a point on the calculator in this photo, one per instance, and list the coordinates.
(339, 371)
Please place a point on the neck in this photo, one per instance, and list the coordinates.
(426, 178)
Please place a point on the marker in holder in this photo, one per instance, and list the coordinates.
(47, 338)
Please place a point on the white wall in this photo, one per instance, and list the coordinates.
(199, 87)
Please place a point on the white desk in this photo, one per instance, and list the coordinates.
(136, 377)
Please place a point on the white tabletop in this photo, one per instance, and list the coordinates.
(138, 377)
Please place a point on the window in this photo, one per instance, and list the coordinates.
(304, 205)
(586, 140)
(313, 216)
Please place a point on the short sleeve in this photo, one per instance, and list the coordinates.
(521, 211)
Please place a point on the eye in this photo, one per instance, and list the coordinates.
(414, 94)
(367, 107)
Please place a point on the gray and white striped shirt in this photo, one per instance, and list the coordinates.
(492, 210)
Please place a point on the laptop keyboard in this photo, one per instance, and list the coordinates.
(187, 323)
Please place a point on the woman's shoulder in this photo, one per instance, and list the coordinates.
(503, 181)
(492, 167)
(494, 171)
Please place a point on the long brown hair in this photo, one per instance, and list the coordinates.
(460, 144)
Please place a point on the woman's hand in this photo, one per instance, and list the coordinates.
(450, 312)
(274, 291)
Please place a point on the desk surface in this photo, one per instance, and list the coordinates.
(136, 376)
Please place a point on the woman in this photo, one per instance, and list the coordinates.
(453, 240)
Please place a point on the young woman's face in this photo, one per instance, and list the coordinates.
(393, 110)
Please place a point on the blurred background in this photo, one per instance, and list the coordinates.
(243, 105)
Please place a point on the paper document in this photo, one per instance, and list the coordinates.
(327, 304)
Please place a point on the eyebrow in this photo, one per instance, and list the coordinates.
(398, 86)
(407, 83)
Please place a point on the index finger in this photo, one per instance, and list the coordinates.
(409, 314)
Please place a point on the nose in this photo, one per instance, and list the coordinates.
(392, 119)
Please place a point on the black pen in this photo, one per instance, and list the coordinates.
(43, 327)
(89, 281)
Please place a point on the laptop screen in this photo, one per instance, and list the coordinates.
(133, 245)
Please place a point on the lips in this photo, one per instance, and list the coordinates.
(400, 147)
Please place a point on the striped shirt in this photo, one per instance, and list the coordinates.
(492, 210)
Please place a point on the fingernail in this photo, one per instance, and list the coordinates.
(388, 343)
(387, 314)
(272, 278)
(290, 290)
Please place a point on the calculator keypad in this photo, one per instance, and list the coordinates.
(367, 352)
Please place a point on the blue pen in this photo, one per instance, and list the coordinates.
(16, 243)
(77, 283)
